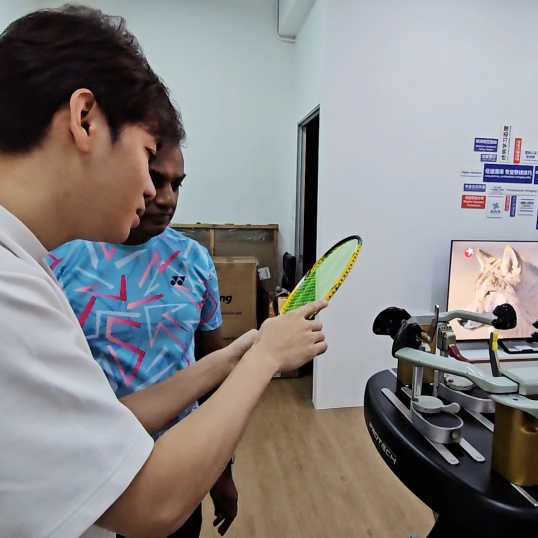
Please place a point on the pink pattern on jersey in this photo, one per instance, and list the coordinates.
(136, 304)
(86, 312)
(160, 326)
(108, 253)
(121, 297)
(137, 351)
(55, 261)
(161, 267)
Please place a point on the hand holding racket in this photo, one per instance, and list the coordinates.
(326, 275)
(292, 339)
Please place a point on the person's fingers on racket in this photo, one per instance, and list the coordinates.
(291, 339)
(318, 334)
(320, 348)
(319, 342)
(315, 325)
(312, 308)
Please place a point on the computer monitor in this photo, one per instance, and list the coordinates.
(484, 274)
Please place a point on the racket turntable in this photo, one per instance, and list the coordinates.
(466, 443)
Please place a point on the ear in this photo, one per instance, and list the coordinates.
(484, 259)
(511, 263)
(83, 115)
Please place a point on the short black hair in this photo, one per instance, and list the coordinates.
(47, 55)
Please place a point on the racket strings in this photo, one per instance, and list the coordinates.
(326, 276)
(305, 294)
(344, 275)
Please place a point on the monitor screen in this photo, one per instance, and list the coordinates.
(484, 274)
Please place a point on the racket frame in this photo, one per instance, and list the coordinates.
(321, 259)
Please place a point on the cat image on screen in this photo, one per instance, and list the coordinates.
(508, 279)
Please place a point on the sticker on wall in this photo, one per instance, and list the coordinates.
(512, 190)
(486, 145)
(511, 201)
(474, 187)
(526, 206)
(496, 190)
(508, 173)
(526, 191)
(495, 206)
(517, 150)
(471, 172)
(506, 133)
(536, 175)
(530, 156)
(473, 201)
(488, 157)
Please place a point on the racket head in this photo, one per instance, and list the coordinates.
(325, 277)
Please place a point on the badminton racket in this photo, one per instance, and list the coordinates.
(326, 275)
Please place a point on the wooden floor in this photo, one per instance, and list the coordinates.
(303, 473)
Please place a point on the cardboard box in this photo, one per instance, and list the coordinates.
(237, 286)
(257, 240)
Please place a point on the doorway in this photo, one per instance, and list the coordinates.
(306, 223)
(307, 193)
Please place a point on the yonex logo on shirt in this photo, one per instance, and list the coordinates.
(177, 280)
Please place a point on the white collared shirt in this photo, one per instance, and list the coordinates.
(68, 447)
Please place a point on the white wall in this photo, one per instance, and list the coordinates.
(407, 85)
(291, 16)
(233, 80)
(309, 53)
(9, 10)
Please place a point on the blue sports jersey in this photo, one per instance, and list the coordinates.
(139, 306)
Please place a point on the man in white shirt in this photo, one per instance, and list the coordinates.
(82, 113)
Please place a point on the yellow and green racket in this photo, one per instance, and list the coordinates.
(326, 275)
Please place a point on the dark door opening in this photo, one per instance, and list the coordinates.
(307, 194)
(306, 228)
